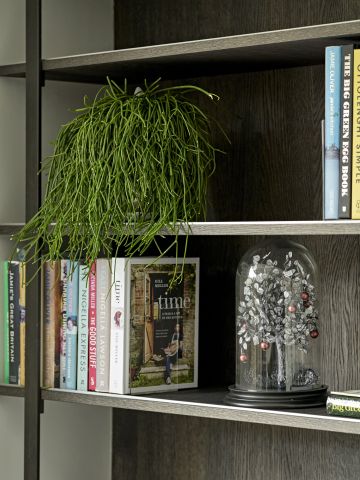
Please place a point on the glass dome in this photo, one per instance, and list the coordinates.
(277, 328)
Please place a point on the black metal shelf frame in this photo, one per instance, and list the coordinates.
(33, 402)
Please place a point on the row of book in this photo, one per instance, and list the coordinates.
(13, 329)
(341, 142)
(120, 328)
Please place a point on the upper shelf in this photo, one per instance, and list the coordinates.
(300, 227)
(237, 53)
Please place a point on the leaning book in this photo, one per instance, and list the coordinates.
(162, 325)
(344, 404)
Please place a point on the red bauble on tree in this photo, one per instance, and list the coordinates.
(243, 358)
(264, 345)
(314, 333)
(304, 296)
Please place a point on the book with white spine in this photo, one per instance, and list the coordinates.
(83, 330)
(117, 329)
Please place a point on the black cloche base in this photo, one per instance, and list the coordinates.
(315, 397)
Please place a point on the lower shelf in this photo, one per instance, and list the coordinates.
(209, 404)
(12, 390)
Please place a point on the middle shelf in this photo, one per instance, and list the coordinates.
(208, 403)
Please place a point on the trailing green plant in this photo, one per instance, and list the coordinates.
(124, 169)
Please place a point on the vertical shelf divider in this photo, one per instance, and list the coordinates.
(33, 402)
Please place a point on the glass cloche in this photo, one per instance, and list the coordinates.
(277, 328)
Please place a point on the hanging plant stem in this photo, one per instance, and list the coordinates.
(126, 168)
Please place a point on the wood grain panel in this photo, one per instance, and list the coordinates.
(149, 22)
(338, 260)
(200, 449)
(272, 169)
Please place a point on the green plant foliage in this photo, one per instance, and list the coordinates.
(124, 169)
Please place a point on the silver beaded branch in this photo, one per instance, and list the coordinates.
(278, 306)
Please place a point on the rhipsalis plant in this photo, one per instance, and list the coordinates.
(124, 169)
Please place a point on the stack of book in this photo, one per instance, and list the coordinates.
(13, 331)
(341, 149)
(120, 328)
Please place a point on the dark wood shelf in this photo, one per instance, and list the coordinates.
(16, 70)
(256, 51)
(10, 228)
(209, 404)
(12, 390)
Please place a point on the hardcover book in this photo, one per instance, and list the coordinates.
(83, 330)
(332, 131)
(162, 325)
(355, 192)
(346, 132)
(14, 322)
(117, 327)
(92, 328)
(22, 329)
(72, 301)
(103, 285)
(344, 404)
(51, 324)
(63, 326)
(6, 324)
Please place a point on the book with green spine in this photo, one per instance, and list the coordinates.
(344, 404)
(6, 325)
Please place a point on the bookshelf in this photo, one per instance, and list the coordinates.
(269, 184)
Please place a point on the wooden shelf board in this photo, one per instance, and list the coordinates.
(256, 51)
(306, 227)
(209, 404)
(232, 54)
(302, 227)
(12, 390)
(10, 228)
(16, 70)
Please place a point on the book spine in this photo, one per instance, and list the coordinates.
(103, 277)
(83, 330)
(14, 323)
(56, 312)
(117, 327)
(72, 324)
(22, 327)
(63, 325)
(6, 323)
(48, 339)
(346, 131)
(92, 328)
(332, 131)
(355, 190)
(343, 406)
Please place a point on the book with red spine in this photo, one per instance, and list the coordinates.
(92, 327)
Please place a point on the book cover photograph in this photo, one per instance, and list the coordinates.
(163, 333)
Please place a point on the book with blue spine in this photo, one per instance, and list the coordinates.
(333, 69)
(72, 303)
(83, 330)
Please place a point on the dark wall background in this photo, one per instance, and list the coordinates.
(272, 171)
